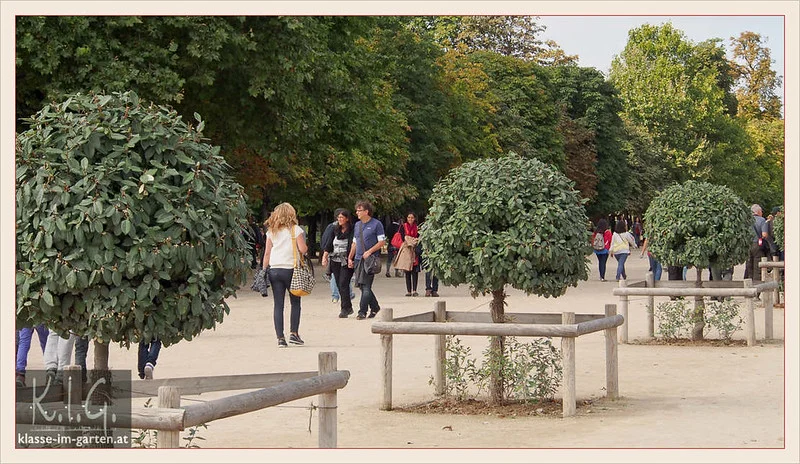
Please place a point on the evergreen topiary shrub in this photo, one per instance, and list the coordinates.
(128, 225)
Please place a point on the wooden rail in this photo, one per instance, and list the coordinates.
(744, 289)
(169, 418)
(528, 325)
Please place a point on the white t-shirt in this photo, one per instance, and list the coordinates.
(281, 256)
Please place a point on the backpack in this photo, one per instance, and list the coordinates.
(598, 243)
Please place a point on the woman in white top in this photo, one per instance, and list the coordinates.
(621, 243)
(279, 258)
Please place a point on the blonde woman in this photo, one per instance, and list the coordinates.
(279, 260)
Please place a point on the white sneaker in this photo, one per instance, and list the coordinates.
(148, 371)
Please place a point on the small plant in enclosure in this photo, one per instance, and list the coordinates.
(459, 369)
(674, 318)
(531, 371)
(724, 316)
(147, 438)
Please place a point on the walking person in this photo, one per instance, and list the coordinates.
(410, 229)
(655, 265)
(24, 338)
(369, 237)
(431, 284)
(601, 243)
(285, 239)
(757, 248)
(335, 255)
(57, 355)
(325, 242)
(148, 355)
(621, 243)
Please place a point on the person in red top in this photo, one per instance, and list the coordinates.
(410, 228)
(602, 253)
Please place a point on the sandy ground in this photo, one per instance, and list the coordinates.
(711, 402)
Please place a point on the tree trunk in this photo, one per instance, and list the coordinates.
(102, 393)
(497, 307)
(699, 309)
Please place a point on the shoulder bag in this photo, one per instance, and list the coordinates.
(303, 276)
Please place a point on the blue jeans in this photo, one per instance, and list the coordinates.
(148, 353)
(602, 259)
(368, 299)
(25, 336)
(655, 268)
(431, 282)
(621, 258)
(281, 279)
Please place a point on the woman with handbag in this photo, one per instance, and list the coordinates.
(409, 234)
(285, 243)
(336, 252)
(621, 243)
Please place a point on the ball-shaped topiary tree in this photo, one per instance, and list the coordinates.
(128, 225)
(506, 221)
(702, 225)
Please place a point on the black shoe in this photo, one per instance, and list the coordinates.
(20, 379)
(282, 343)
(295, 339)
(373, 313)
(361, 316)
(388, 275)
(344, 313)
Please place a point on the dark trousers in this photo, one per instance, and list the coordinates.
(368, 299)
(148, 353)
(751, 269)
(281, 279)
(342, 275)
(412, 278)
(431, 282)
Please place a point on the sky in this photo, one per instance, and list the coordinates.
(597, 39)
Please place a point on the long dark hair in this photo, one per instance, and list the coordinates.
(349, 218)
(602, 226)
(620, 227)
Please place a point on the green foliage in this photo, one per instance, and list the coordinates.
(526, 117)
(146, 438)
(459, 369)
(724, 317)
(128, 225)
(674, 319)
(507, 220)
(779, 229)
(699, 224)
(532, 371)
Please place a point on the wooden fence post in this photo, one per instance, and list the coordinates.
(568, 361)
(440, 351)
(612, 358)
(168, 397)
(386, 362)
(651, 302)
(749, 317)
(327, 404)
(623, 307)
(72, 386)
(776, 277)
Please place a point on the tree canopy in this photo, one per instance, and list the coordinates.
(128, 224)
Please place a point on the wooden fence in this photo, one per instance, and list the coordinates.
(169, 418)
(440, 322)
(683, 288)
